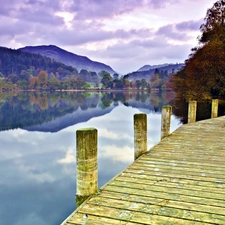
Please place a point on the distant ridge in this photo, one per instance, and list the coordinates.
(147, 71)
(68, 58)
(149, 67)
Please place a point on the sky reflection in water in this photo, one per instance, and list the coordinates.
(38, 170)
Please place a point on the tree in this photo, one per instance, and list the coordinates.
(54, 83)
(107, 80)
(144, 84)
(115, 76)
(155, 81)
(85, 75)
(24, 75)
(42, 78)
(33, 81)
(138, 84)
(13, 78)
(127, 83)
(213, 28)
(203, 75)
(80, 82)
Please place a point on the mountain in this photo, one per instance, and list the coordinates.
(18, 65)
(149, 67)
(164, 70)
(68, 58)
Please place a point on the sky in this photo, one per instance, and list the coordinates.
(124, 34)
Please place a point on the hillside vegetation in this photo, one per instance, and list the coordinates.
(31, 71)
(203, 76)
(68, 58)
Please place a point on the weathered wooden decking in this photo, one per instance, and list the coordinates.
(179, 181)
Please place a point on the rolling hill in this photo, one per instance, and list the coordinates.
(68, 58)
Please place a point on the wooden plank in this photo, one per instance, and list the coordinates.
(175, 174)
(80, 218)
(175, 167)
(156, 161)
(174, 190)
(165, 180)
(166, 183)
(181, 180)
(136, 217)
(164, 210)
(124, 191)
(193, 206)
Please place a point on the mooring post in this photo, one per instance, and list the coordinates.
(140, 134)
(192, 109)
(165, 122)
(214, 113)
(87, 164)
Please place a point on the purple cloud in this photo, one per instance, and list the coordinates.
(72, 37)
(32, 11)
(170, 32)
(138, 53)
(189, 25)
(94, 9)
(36, 22)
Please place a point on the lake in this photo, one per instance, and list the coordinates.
(38, 146)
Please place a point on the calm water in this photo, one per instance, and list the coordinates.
(37, 154)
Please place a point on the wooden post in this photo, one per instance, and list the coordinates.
(165, 122)
(214, 113)
(87, 164)
(140, 134)
(192, 109)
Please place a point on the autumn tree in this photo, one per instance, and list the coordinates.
(203, 75)
(155, 81)
(43, 78)
(33, 81)
(213, 27)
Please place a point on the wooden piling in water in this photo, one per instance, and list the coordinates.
(192, 109)
(165, 121)
(140, 134)
(214, 112)
(87, 164)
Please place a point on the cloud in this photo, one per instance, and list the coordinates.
(169, 31)
(138, 52)
(122, 34)
(94, 34)
(109, 9)
(190, 25)
(69, 158)
(123, 154)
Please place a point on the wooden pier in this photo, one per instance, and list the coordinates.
(181, 180)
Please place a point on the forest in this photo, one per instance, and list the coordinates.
(203, 76)
(29, 71)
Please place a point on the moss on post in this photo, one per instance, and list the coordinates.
(87, 163)
(165, 122)
(214, 113)
(140, 134)
(192, 109)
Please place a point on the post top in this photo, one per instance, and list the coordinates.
(87, 129)
(140, 114)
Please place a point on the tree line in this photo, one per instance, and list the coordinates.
(29, 71)
(203, 76)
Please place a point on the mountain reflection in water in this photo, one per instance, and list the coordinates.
(37, 156)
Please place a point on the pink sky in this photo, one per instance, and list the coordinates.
(125, 34)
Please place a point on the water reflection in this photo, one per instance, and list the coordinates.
(180, 109)
(37, 156)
